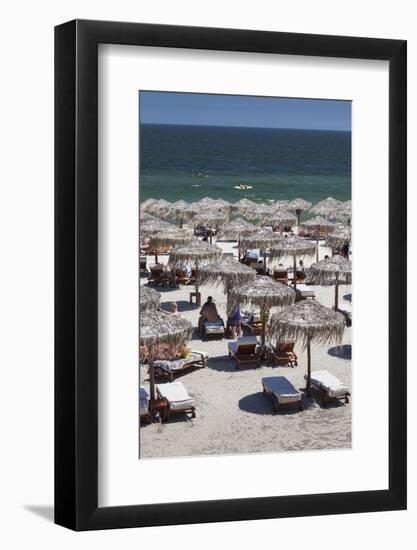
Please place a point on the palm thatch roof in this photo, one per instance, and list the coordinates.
(149, 299)
(159, 207)
(210, 218)
(150, 226)
(293, 247)
(157, 328)
(182, 210)
(307, 322)
(330, 268)
(261, 239)
(279, 217)
(235, 229)
(343, 212)
(263, 292)
(242, 205)
(299, 204)
(145, 205)
(280, 204)
(318, 225)
(227, 271)
(194, 251)
(170, 236)
(325, 206)
(258, 212)
(339, 238)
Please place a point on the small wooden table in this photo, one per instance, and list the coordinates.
(197, 296)
(159, 406)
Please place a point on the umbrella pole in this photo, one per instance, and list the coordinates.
(181, 223)
(298, 212)
(263, 318)
(308, 385)
(295, 273)
(336, 293)
(156, 255)
(196, 281)
(265, 261)
(317, 247)
(151, 384)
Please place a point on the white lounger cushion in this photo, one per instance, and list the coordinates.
(177, 364)
(176, 395)
(242, 340)
(330, 384)
(143, 401)
(304, 288)
(282, 388)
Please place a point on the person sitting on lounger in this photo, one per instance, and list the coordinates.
(208, 313)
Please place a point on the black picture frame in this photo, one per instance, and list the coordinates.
(76, 271)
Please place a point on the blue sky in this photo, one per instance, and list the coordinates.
(249, 111)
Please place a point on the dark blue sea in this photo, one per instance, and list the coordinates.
(191, 162)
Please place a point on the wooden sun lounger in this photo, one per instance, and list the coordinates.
(197, 360)
(177, 398)
(159, 276)
(303, 292)
(284, 353)
(214, 331)
(254, 325)
(244, 351)
(329, 388)
(281, 276)
(283, 394)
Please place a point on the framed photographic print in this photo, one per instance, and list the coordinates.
(230, 275)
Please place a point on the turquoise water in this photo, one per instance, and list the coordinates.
(191, 162)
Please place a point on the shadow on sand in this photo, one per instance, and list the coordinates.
(341, 352)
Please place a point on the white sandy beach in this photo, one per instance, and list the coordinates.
(232, 414)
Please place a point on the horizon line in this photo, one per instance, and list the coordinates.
(246, 127)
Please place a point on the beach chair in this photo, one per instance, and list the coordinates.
(177, 398)
(284, 353)
(253, 324)
(244, 351)
(158, 276)
(177, 367)
(181, 277)
(213, 329)
(144, 413)
(329, 388)
(142, 264)
(281, 275)
(283, 394)
(303, 292)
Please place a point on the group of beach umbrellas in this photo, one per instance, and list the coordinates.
(306, 321)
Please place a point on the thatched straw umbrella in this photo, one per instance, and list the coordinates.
(318, 226)
(211, 219)
(149, 299)
(343, 212)
(264, 293)
(279, 217)
(195, 252)
(258, 212)
(336, 268)
(226, 271)
(182, 210)
(262, 239)
(293, 247)
(156, 328)
(299, 205)
(145, 205)
(307, 322)
(154, 226)
(339, 238)
(233, 230)
(160, 207)
(242, 206)
(325, 207)
(169, 236)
